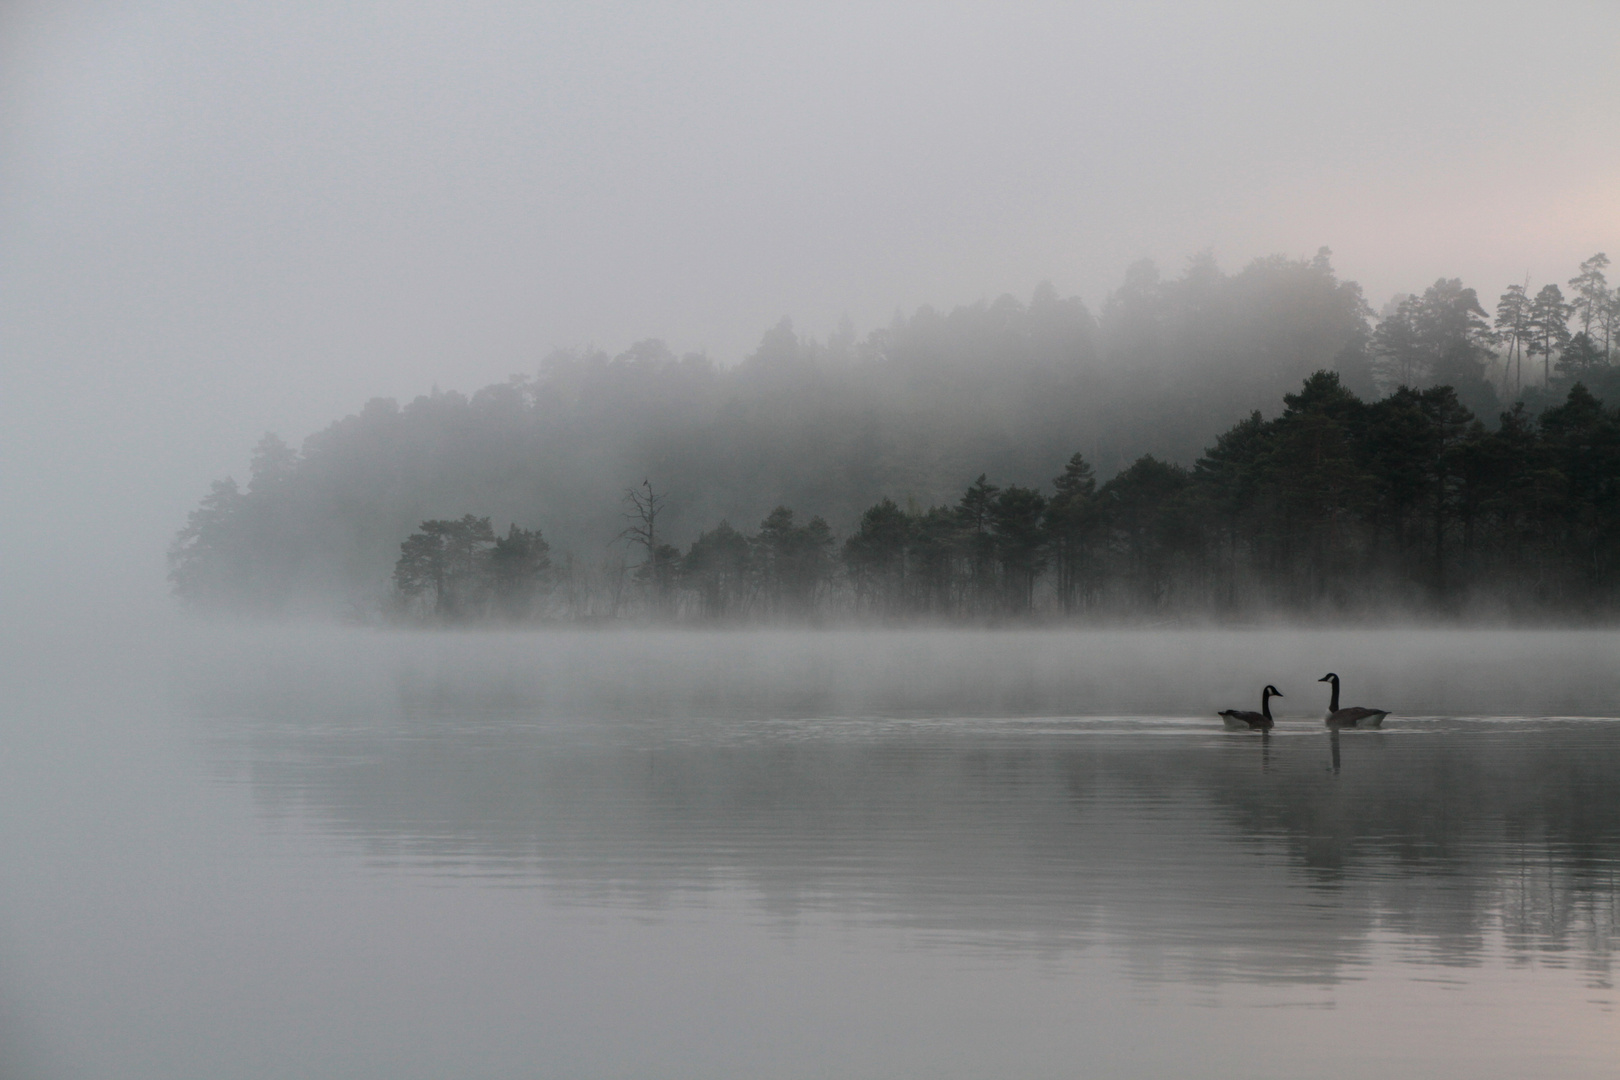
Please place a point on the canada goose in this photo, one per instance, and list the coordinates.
(1244, 720)
(1355, 715)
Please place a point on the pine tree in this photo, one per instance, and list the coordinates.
(1549, 326)
(1399, 358)
(206, 560)
(1441, 336)
(451, 559)
(518, 564)
(1513, 328)
(794, 560)
(1146, 515)
(974, 513)
(1579, 358)
(1020, 543)
(876, 556)
(1609, 321)
(1590, 292)
(718, 564)
(1070, 523)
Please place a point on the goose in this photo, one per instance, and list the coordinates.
(1244, 720)
(1355, 715)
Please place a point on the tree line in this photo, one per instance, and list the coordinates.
(1445, 336)
(1166, 372)
(1408, 504)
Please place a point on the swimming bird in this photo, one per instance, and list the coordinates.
(1244, 720)
(1355, 715)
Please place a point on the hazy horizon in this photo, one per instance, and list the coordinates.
(224, 220)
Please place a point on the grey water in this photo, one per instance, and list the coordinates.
(259, 852)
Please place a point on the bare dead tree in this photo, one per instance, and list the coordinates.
(644, 504)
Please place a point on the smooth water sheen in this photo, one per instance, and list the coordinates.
(278, 854)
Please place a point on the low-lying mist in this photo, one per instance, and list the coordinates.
(521, 675)
(1004, 786)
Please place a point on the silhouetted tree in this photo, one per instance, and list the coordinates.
(974, 512)
(1549, 327)
(1583, 443)
(657, 570)
(876, 557)
(1609, 321)
(1145, 513)
(450, 559)
(1440, 336)
(1513, 328)
(1316, 483)
(718, 565)
(1450, 423)
(1589, 293)
(937, 557)
(519, 565)
(1230, 478)
(1071, 526)
(1400, 358)
(795, 560)
(1580, 358)
(1016, 518)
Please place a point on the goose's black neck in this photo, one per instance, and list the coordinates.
(1333, 706)
(1265, 702)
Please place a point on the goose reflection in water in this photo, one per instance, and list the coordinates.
(1033, 828)
(1365, 740)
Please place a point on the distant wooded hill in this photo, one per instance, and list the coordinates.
(912, 413)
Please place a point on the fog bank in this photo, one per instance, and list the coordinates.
(676, 676)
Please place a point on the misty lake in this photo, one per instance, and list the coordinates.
(261, 852)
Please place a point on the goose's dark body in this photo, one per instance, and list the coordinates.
(1246, 720)
(1352, 716)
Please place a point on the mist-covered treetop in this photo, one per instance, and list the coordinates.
(912, 411)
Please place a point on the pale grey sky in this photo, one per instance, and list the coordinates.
(218, 218)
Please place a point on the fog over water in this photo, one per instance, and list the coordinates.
(676, 675)
(271, 852)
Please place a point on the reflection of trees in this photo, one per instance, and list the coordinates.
(1181, 849)
(1516, 829)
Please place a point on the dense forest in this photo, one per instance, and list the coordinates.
(1005, 460)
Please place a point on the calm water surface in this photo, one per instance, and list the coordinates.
(255, 853)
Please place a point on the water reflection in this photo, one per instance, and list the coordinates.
(1205, 856)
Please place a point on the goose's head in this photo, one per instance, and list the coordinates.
(1271, 691)
(1329, 677)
